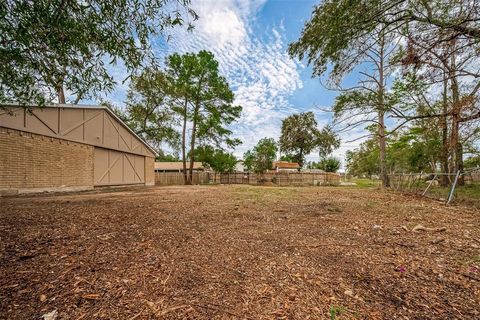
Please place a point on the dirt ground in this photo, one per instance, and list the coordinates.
(238, 252)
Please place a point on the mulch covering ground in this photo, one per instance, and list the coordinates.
(238, 252)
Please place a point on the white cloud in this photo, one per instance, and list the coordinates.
(256, 65)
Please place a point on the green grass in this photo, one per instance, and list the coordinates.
(366, 183)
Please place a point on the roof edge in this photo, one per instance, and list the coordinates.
(83, 106)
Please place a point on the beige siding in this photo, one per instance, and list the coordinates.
(31, 161)
(149, 171)
(93, 126)
(117, 168)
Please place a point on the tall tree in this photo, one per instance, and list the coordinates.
(323, 42)
(444, 63)
(48, 46)
(148, 110)
(261, 157)
(300, 136)
(203, 100)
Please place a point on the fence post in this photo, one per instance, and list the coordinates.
(431, 181)
(452, 190)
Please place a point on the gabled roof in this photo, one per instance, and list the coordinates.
(53, 118)
(286, 165)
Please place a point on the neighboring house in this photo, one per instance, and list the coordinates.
(239, 167)
(69, 147)
(285, 166)
(177, 166)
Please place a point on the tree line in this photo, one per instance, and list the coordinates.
(417, 93)
(300, 136)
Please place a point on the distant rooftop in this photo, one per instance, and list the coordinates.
(286, 165)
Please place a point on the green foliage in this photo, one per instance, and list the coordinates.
(217, 159)
(336, 311)
(340, 31)
(47, 45)
(328, 141)
(202, 100)
(300, 136)
(203, 97)
(288, 158)
(472, 162)
(416, 149)
(148, 112)
(162, 157)
(261, 158)
(330, 164)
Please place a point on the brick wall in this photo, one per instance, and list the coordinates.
(149, 171)
(31, 161)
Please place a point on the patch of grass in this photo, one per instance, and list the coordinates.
(263, 194)
(366, 183)
(336, 311)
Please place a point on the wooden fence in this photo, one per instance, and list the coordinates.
(279, 178)
(176, 178)
(271, 178)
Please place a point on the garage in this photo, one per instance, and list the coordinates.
(114, 168)
(69, 147)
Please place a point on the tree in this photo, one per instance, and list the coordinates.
(443, 62)
(261, 157)
(341, 33)
(49, 46)
(165, 157)
(364, 160)
(148, 112)
(300, 136)
(367, 102)
(202, 100)
(327, 142)
(217, 159)
(330, 164)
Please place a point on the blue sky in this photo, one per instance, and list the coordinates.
(249, 39)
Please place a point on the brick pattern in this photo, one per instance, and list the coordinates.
(149, 171)
(34, 161)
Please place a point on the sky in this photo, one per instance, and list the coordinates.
(249, 38)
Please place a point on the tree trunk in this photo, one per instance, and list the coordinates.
(61, 94)
(381, 114)
(192, 143)
(382, 146)
(456, 145)
(184, 133)
(444, 155)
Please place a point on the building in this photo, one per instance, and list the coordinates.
(285, 166)
(177, 166)
(69, 147)
(239, 166)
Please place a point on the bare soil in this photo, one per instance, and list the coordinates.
(238, 252)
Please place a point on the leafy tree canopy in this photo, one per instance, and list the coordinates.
(300, 136)
(328, 141)
(261, 157)
(330, 164)
(340, 31)
(202, 101)
(217, 159)
(148, 110)
(50, 45)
